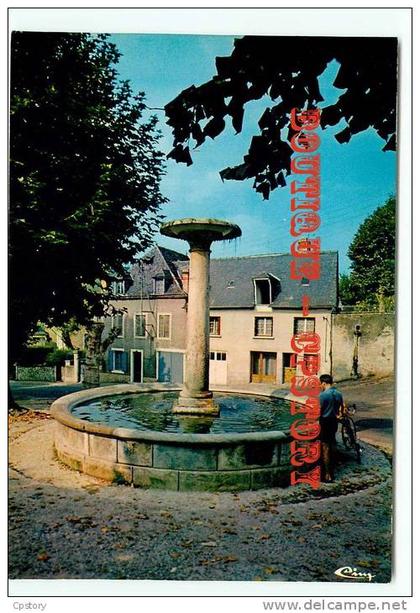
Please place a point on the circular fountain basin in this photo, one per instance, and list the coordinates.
(128, 434)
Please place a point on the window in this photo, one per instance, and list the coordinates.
(118, 322)
(214, 327)
(117, 360)
(164, 325)
(262, 291)
(263, 326)
(118, 287)
(220, 356)
(140, 320)
(312, 363)
(303, 324)
(159, 285)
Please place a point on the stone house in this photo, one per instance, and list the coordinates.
(254, 310)
(152, 326)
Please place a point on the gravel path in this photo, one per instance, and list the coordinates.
(64, 524)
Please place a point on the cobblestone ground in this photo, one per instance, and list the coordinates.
(64, 524)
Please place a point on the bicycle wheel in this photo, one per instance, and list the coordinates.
(349, 437)
(358, 452)
(347, 434)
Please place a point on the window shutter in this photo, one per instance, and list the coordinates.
(110, 360)
(124, 362)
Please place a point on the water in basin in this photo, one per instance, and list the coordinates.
(153, 411)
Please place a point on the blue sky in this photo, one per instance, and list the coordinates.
(355, 178)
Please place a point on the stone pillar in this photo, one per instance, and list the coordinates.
(195, 396)
(196, 383)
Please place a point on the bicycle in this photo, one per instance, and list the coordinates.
(349, 434)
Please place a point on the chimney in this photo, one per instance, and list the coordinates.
(185, 276)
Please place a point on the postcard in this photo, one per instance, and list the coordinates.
(206, 239)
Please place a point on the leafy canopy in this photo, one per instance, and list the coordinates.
(288, 70)
(84, 178)
(372, 253)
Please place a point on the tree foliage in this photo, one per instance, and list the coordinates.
(288, 70)
(346, 289)
(372, 254)
(84, 178)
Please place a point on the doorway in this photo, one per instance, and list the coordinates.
(136, 371)
(289, 367)
(218, 368)
(263, 367)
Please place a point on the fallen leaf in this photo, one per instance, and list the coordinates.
(205, 562)
(229, 559)
(229, 531)
(43, 556)
(209, 544)
(124, 557)
(265, 537)
(166, 514)
(217, 559)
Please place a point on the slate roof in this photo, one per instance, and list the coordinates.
(231, 281)
(161, 261)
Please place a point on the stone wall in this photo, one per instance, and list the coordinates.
(113, 377)
(375, 345)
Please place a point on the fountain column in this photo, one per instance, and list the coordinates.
(195, 397)
(195, 393)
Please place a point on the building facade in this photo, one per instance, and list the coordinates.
(255, 309)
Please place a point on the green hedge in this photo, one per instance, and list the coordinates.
(36, 373)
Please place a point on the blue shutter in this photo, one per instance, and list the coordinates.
(110, 360)
(164, 368)
(124, 362)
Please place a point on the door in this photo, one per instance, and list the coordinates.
(170, 367)
(218, 368)
(136, 366)
(263, 367)
(289, 367)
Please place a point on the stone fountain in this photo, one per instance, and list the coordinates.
(163, 436)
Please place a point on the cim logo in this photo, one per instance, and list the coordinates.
(348, 572)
